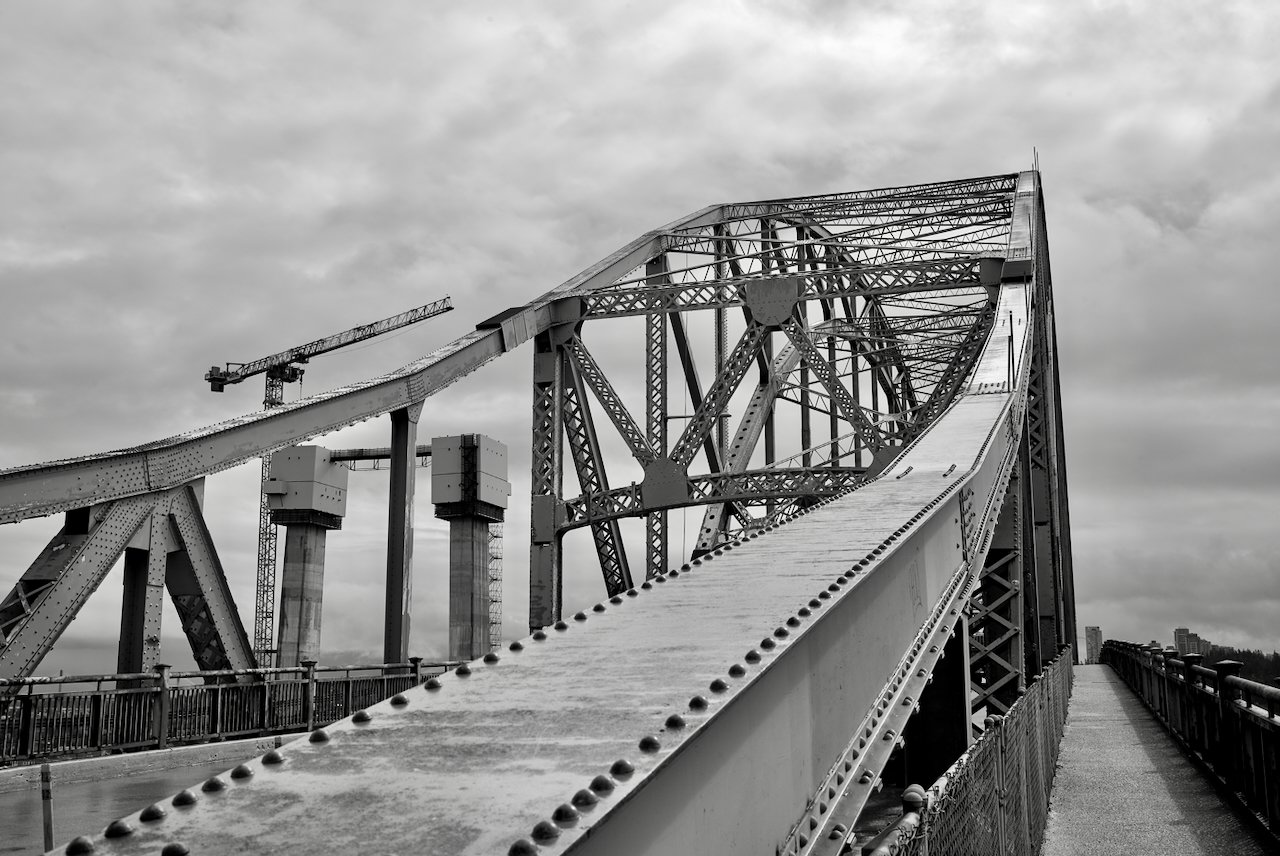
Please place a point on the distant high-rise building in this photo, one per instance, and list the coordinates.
(1092, 645)
(1180, 635)
(1193, 644)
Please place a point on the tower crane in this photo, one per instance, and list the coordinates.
(281, 368)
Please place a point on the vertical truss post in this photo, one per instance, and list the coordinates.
(143, 604)
(546, 486)
(1032, 650)
(655, 363)
(399, 595)
(996, 665)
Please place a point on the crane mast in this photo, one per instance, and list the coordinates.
(281, 368)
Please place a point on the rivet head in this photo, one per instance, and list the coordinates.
(675, 722)
(491, 658)
(753, 656)
(433, 683)
(398, 700)
(599, 607)
(686, 567)
(621, 769)
(213, 785)
(584, 799)
(646, 585)
(815, 603)
(782, 632)
(242, 771)
(561, 625)
(660, 578)
(719, 686)
(579, 616)
(649, 744)
(118, 829)
(184, 797)
(361, 716)
(79, 844)
(152, 812)
(632, 592)
(768, 644)
(516, 646)
(175, 848)
(673, 573)
(841, 581)
(601, 785)
(697, 703)
(523, 847)
(824, 595)
(848, 575)
(565, 815)
(539, 635)
(617, 598)
(546, 831)
(317, 736)
(462, 671)
(737, 670)
(833, 587)
(793, 621)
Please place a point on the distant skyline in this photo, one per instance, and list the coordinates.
(196, 183)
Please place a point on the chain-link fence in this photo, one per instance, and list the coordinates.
(995, 798)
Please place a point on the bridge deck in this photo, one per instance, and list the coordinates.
(1124, 787)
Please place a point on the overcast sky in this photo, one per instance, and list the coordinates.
(187, 184)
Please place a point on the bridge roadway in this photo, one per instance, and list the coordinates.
(1123, 787)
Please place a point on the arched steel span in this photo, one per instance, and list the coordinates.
(747, 700)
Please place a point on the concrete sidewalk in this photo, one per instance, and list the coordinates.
(1123, 787)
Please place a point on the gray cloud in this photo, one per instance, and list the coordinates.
(200, 183)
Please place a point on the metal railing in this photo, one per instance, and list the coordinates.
(995, 798)
(1226, 723)
(40, 720)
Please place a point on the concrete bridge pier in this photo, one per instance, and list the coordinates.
(307, 494)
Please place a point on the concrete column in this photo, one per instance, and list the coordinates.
(301, 594)
(399, 600)
(468, 587)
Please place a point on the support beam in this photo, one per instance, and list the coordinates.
(302, 595)
(546, 483)
(142, 607)
(399, 596)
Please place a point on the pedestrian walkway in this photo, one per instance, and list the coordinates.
(1124, 787)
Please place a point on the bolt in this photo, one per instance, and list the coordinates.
(833, 587)
(824, 595)
(768, 644)
(697, 703)
(617, 598)
(753, 656)
(686, 567)
(523, 847)
(152, 812)
(584, 799)
(79, 844)
(793, 622)
(118, 829)
(565, 815)
(649, 744)
(215, 784)
(815, 603)
(719, 686)
(545, 831)
(646, 585)
(781, 633)
(242, 771)
(736, 671)
(632, 592)
(398, 700)
(561, 625)
(673, 573)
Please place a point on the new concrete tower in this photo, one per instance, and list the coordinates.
(469, 488)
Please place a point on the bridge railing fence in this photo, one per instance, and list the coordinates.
(80, 715)
(995, 798)
(1228, 724)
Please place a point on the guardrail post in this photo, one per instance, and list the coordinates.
(26, 725)
(264, 708)
(417, 670)
(95, 720)
(996, 723)
(46, 805)
(348, 695)
(1170, 691)
(309, 694)
(1193, 729)
(215, 710)
(162, 705)
(1224, 751)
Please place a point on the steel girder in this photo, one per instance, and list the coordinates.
(173, 549)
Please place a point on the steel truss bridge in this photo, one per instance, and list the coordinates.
(861, 402)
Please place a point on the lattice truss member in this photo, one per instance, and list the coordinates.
(790, 349)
